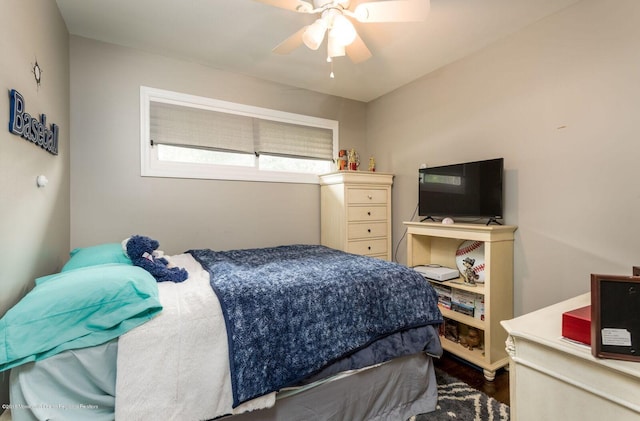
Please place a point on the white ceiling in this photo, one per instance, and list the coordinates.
(238, 35)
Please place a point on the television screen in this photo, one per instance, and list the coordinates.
(471, 189)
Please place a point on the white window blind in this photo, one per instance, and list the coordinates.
(188, 136)
(293, 140)
(178, 125)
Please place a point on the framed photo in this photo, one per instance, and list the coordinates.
(615, 317)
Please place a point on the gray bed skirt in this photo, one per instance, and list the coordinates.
(394, 391)
(80, 385)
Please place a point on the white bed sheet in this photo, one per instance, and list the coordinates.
(176, 366)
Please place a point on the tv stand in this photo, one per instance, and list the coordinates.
(489, 222)
(431, 243)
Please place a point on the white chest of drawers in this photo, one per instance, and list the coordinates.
(551, 378)
(355, 212)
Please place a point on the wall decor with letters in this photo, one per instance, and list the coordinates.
(30, 128)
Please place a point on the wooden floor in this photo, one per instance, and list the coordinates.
(497, 389)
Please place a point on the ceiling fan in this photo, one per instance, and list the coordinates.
(335, 21)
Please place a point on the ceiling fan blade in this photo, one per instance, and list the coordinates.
(295, 5)
(392, 11)
(358, 51)
(291, 43)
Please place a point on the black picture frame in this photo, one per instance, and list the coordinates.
(615, 317)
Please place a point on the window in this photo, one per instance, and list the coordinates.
(195, 137)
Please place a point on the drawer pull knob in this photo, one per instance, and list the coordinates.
(370, 197)
(369, 230)
(369, 213)
(369, 247)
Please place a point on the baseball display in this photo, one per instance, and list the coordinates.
(470, 259)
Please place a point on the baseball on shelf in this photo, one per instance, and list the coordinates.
(473, 250)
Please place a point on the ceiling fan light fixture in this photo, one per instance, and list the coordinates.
(334, 47)
(361, 13)
(343, 30)
(314, 34)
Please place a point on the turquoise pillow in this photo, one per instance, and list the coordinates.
(77, 309)
(96, 255)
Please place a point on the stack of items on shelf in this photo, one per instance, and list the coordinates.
(461, 301)
(444, 295)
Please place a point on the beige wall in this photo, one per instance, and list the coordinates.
(34, 222)
(110, 200)
(560, 101)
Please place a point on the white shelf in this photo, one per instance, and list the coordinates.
(462, 318)
(435, 243)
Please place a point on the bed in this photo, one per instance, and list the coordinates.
(246, 337)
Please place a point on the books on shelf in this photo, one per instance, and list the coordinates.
(444, 295)
(464, 302)
(479, 307)
(462, 309)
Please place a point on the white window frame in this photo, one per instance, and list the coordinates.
(151, 166)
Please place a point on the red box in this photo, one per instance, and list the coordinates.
(576, 325)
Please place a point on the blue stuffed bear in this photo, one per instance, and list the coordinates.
(140, 250)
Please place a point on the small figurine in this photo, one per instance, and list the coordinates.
(342, 160)
(468, 274)
(372, 164)
(353, 160)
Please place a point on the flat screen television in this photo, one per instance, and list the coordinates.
(468, 190)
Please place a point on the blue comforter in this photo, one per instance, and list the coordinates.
(292, 310)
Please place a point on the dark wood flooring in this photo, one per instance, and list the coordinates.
(472, 375)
